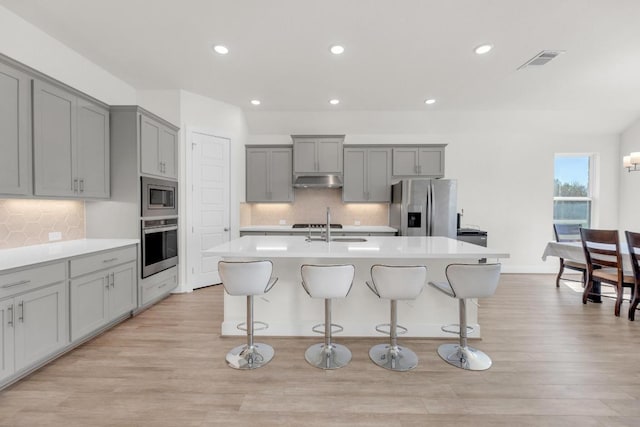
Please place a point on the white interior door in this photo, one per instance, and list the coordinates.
(209, 213)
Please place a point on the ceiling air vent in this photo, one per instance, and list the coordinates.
(541, 58)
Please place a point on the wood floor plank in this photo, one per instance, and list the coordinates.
(557, 362)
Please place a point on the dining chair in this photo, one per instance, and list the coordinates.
(602, 249)
(633, 242)
(569, 233)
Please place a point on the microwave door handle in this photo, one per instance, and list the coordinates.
(160, 229)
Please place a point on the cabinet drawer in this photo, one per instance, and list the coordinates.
(149, 290)
(31, 278)
(99, 261)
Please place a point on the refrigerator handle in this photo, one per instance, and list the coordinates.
(431, 208)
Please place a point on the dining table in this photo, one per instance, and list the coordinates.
(573, 251)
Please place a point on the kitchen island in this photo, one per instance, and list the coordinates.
(289, 311)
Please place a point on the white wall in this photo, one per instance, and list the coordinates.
(629, 214)
(26, 43)
(505, 178)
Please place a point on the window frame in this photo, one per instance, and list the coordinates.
(590, 186)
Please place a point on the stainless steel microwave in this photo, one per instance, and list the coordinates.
(159, 197)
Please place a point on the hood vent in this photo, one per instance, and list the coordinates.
(541, 58)
(318, 181)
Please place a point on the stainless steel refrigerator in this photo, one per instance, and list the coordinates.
(424, 207)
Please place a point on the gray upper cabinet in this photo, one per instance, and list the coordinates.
(92, 150)
(15, 131)
(317, 154)
(71, 144)
(269, 177)
(426, 161)
(367, 174)
(159, 148)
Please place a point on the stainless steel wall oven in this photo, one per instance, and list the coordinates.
(159, 245)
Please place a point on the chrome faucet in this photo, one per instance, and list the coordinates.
(328, 234)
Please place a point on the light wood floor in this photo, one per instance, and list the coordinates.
(557, 362)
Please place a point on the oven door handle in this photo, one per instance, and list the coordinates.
(159, 229)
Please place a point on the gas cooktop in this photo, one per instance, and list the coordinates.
(316, 225)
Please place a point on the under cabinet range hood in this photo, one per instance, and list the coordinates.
(317, 161)
(318, 181)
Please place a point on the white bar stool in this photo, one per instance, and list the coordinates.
(327, 281)
(248, 279)
(467, 281)
(395, 283)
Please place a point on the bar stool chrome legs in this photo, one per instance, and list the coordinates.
(328, 355)
(462, 355)
(250, 355)
(327, 281)
(248, 279)
(467, 281)
(395, 283)
(392, 356)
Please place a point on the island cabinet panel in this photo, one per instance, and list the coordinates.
(159, 148)
(422, 161)
(317, 154)
(71, 144)
(367, 175)
(269, 177)
(15, 131)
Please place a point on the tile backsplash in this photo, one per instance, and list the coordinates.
(26, 222)
(310, 207)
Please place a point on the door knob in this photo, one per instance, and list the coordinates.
(226, 229)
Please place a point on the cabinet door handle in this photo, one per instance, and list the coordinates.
(75, 185)
(21, 316)
(10, 315)
(106, 278)
(113, 280)
(11, 285)
(82, 185)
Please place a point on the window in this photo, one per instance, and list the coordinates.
(572, 190)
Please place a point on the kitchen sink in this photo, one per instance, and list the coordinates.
(349, 239)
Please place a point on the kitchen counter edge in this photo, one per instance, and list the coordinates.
(25, 256)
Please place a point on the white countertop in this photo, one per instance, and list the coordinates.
(344, 229)
(29, 255)
(382, 247)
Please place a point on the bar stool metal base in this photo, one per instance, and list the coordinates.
(245, 357)
(336, 357)
(468, 358)
(395, 359)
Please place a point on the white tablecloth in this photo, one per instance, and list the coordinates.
(573, 251)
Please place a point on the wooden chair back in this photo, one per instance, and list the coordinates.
(567, 232)
(633, 242)
(601, 248)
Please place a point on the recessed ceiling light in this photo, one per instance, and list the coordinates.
(483, 48)
(222, 50)
(337, 49)
(255, 101)
(334, 101)
(430, 101)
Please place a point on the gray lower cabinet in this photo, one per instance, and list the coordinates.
(157, 286)
(269, 177)
(71, 144)
(15, 131)
(103, 288)
(367, 174)
(100, 297)
(317, 154)
(33, 310)
(420, 161)
(159, 148)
